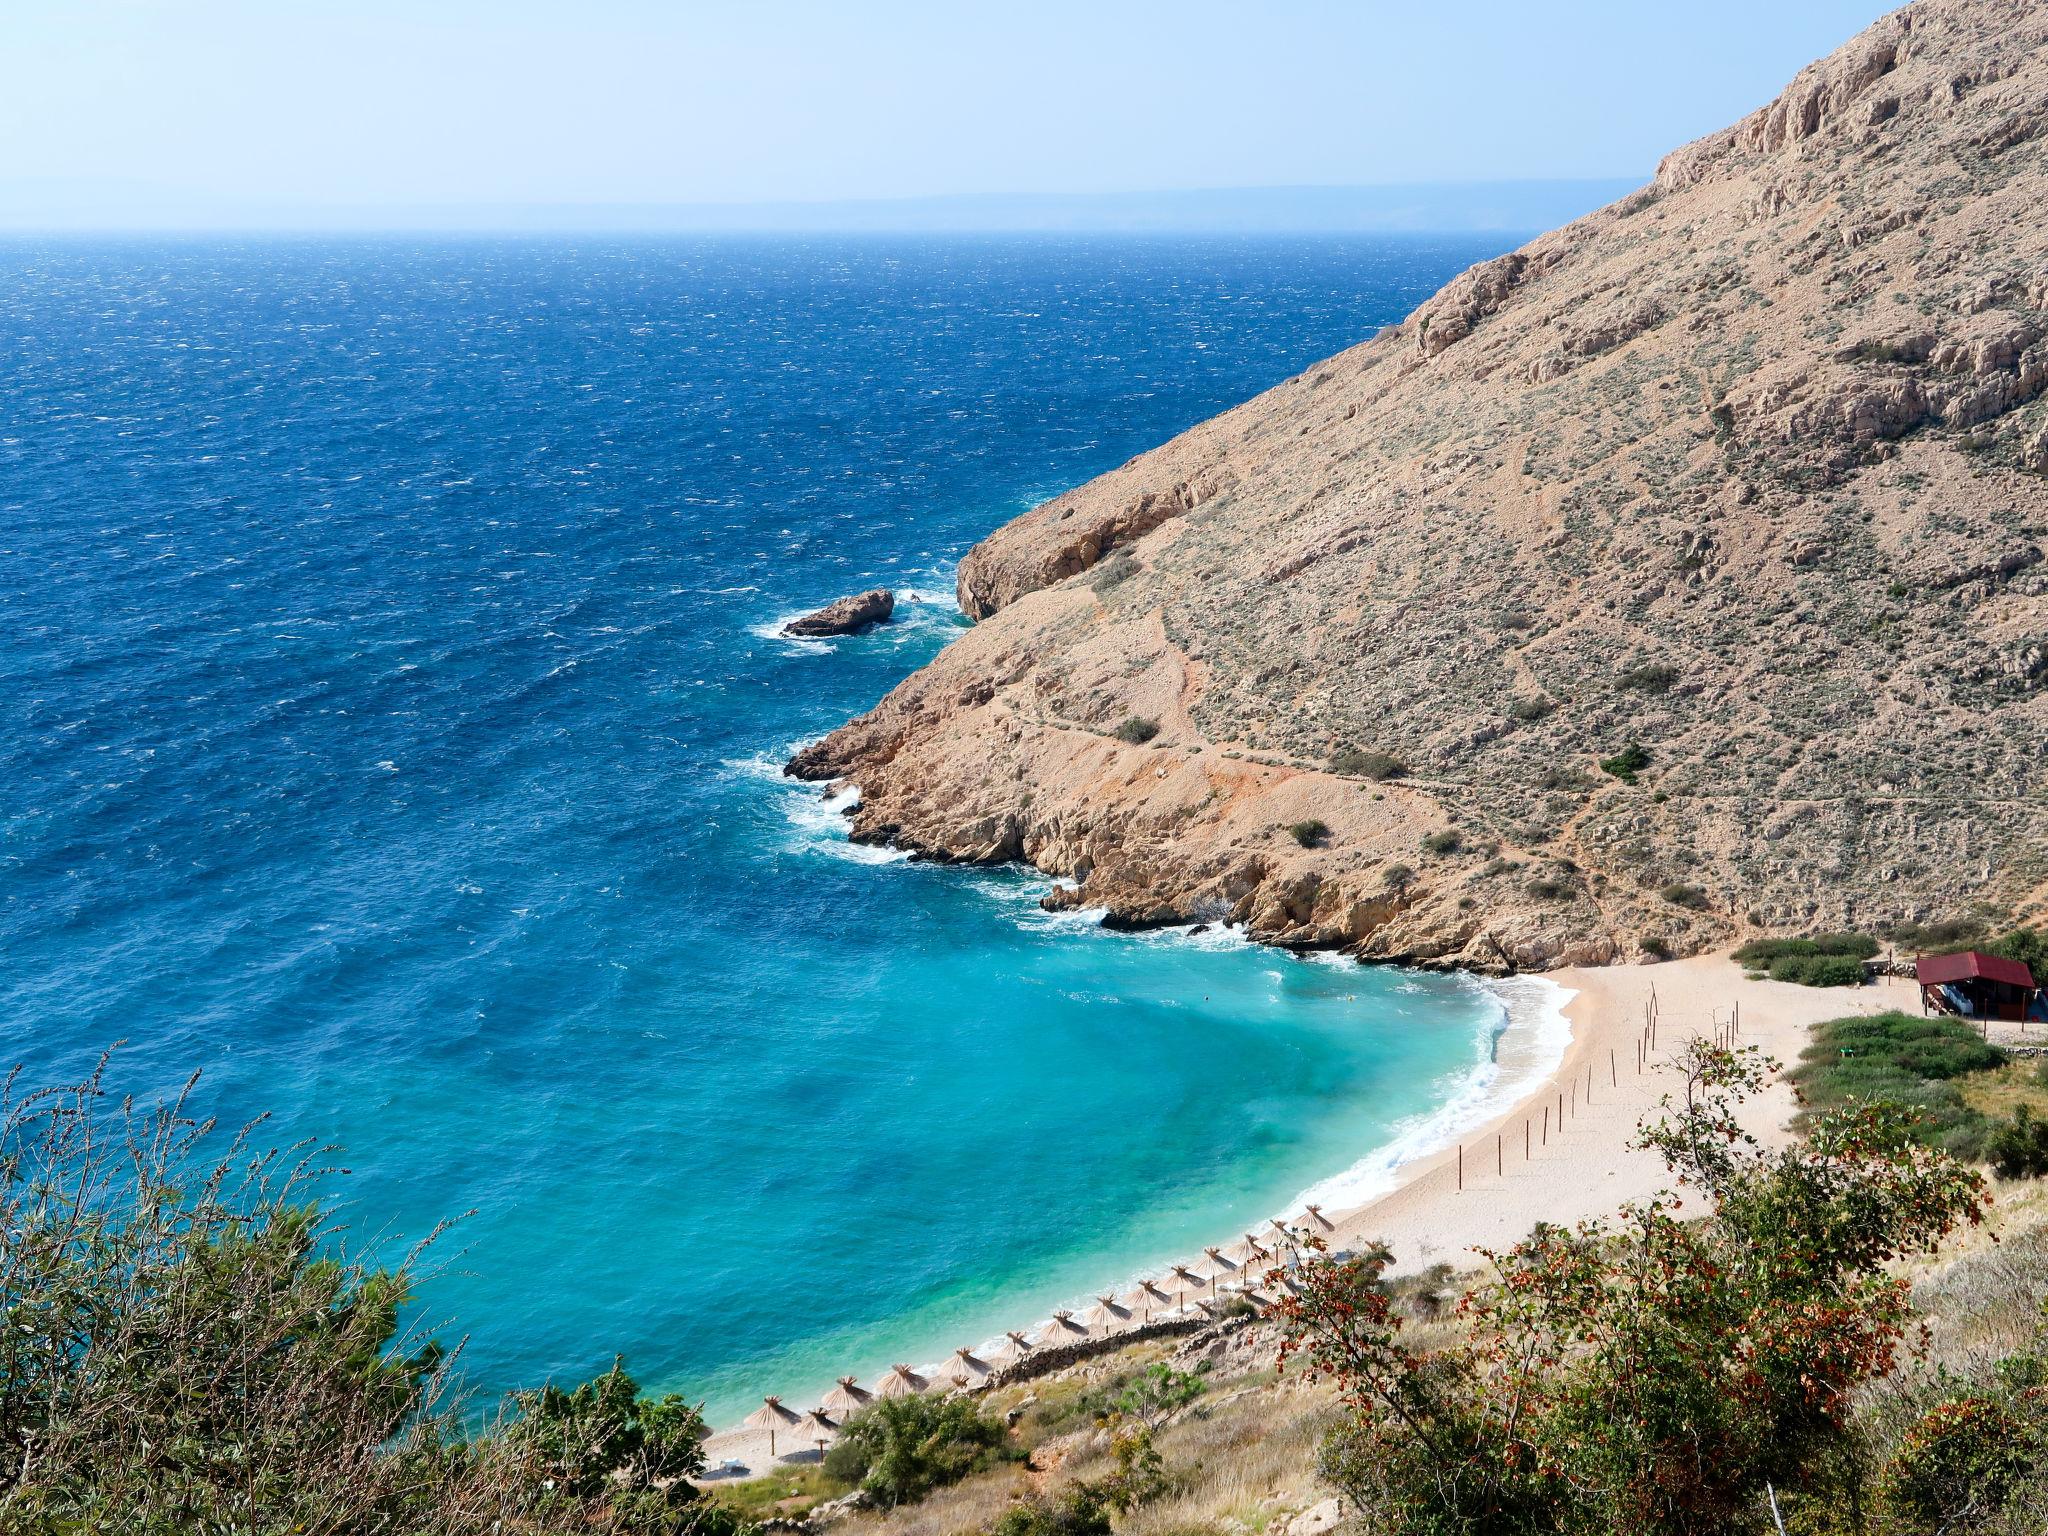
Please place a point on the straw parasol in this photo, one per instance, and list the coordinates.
(1143, 1298)
(817, 1428)
(1222, 1264)
(965, 1370)
(1106, 1314)
(1013, 1348)
(1062, 1329)
(846, 1397)
(771, 1416)
(1187, 1277)
(901, 1381)
(1283, 1235)
(1315, 1214)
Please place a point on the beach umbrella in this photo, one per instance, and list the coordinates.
(846, 1397)
(1252, 1251)
(1186, 1277)
(771, 1416)
(901, 1381)
(1315, 1214)
(1106, 1314)
(1222, 1266)
(1062, 1330)
(1145, 1296)
(816, 1428)
(1283, 1235)
(1013, 1348)
(966, 1369)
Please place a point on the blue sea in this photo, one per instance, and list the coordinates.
(391, 710)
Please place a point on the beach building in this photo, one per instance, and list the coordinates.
(1974, 985)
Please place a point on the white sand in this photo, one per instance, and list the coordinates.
(1586, 1167)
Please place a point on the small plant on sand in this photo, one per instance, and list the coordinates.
(1113, 572)
(1681, 895)
(1627, 763)
(1446, 841)
(1367, 765)
(1651, 677)
(1137, 730)
(1310, 833)
(1529, 708)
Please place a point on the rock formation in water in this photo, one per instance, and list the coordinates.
(845, 615)
(1676, 575)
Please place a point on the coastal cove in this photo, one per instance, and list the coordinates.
(422, 787)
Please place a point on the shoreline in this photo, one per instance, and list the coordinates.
(1579, 1167)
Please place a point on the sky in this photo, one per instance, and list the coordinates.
(186, 110)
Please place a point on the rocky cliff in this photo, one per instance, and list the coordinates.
(1748, 471)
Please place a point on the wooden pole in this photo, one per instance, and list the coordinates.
(1461, 1167)
(1525, 1138)
(1546, 1125)
(1613, 1071)
(1500, 1156)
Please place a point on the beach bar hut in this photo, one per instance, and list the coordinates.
(1974, 985)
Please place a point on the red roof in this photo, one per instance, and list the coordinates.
(1971, 965)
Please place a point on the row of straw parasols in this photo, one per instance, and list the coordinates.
(1181, 1292)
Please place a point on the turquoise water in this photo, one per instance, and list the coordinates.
(389, 715)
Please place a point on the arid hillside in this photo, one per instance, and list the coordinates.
(1748, 472)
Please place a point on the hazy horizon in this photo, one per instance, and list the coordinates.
(1492, 207)
(461, 114)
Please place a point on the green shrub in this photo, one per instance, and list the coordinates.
(1137, 730)
(1903, 1059)
(1685, 896)
(900, 1448)
(1758, 954)
(1367, 765)
(1818, 970)
(1546, 889)
(1118, 568)
(1310, 833)
(1445, 842)
(1396, 876)
(189, 1347)
(1627, 763)
(1655, 944)
(1563, 778)
(1528, 709)
(1650, 677)
(1960, 1460)
(1079, 1512)
(2018, 1148)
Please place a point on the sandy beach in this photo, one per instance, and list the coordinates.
(1582, 1166)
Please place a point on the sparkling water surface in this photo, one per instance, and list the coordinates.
(390, 715)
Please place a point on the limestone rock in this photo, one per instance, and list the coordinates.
(1317, 1519)
(1748, 470)
(845, 616)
